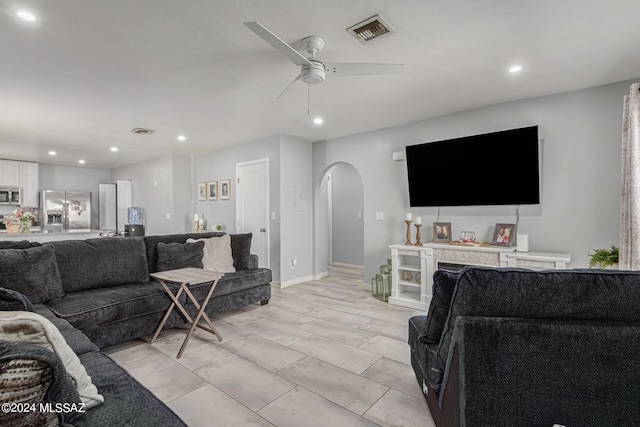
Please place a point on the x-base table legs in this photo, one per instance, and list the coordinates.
(194, 322)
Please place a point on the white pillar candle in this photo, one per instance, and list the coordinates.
(195, 217)
(201, 221)
(418, 220)
(407, 217)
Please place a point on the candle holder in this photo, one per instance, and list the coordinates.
(196, 226)
(408, 242)
(418, 242)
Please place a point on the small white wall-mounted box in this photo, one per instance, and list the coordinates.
(522, 242)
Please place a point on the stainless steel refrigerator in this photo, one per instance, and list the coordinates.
(66, 210)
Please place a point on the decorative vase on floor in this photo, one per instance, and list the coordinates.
(381, 284)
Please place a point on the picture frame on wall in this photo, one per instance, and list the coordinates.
(441, 232)
(202, 191)
(225, 189)
(212, 190)
(504, 235)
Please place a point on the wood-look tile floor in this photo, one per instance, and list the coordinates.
(323, 353)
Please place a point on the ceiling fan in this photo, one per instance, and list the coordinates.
(314, 71)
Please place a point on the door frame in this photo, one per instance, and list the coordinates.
(267, 225)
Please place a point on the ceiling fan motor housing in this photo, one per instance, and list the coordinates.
(314, 73)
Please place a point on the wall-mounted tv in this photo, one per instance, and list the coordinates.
(499, 168)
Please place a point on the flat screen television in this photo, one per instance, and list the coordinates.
(498, 168)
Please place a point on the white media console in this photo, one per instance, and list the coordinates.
(413, 266)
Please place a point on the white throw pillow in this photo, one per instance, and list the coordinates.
(25, 326)
(217, 254)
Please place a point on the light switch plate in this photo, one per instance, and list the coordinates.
(379, 216)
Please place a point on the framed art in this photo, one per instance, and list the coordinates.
(504, 235)
(212, 187)
(442, 232)
(225, 189)
(202, 191)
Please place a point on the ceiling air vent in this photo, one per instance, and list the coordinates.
(142, 131)
(371, 29)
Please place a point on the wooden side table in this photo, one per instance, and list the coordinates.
(188, 277)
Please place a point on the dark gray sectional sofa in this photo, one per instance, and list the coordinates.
(101, 294)
(515, 347)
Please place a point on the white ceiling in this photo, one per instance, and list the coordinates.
(88, 71)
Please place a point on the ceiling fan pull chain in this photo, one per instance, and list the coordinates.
(308, 100)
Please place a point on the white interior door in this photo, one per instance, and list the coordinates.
(252, 205)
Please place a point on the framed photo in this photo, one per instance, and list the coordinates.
(202, 191)
(225, 189)
(442, 232)
(504, 235)
(212, 190)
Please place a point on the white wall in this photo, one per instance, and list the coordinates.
(296, 210)
(580, 159)
(160, 186)
(221, 164)
(52, 177)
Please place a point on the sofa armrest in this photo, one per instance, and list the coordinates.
(253, 261)
(511, 371)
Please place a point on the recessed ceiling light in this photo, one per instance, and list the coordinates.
(52, 153)
(182, 138)
(318, 120)
(81, 162)
(27, 16)
(114, 149)
(515, 69)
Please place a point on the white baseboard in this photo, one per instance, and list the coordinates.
(366, 286)
(341, 264)
(293, 282)
(321, 275)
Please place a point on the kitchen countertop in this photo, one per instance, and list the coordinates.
(48, 236)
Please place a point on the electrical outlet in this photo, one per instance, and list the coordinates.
(294, 262)
(379, 216)
(359, 215)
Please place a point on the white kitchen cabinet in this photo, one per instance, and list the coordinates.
(9, 173)
(29, 176)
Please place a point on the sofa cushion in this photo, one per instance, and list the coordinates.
(78, 341)
(233, 282)
(241, 249)
(127, 402)
(180, 255)
(11, 300)
(553, 294)
(444, 282)
(217, 254)
(101, 262)
(24, 326)
(91, 308)
(425, 354)
(151, 245)
(15, 244)
(32, 272)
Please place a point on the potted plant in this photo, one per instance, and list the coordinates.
(605, 258)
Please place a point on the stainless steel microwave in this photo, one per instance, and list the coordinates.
(10, 196)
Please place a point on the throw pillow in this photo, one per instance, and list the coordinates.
(178, 255)
(444, 283)
(217, 254)
(14, 301)
(241, 250)
(24, 326)
(30, 375)
(32, 272)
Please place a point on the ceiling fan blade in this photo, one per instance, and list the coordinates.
(275, 41)
(356, 69)
(288, 86)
